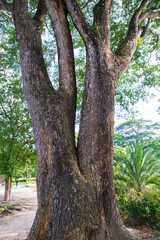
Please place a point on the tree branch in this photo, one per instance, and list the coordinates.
(145, 28)
(79, 20)
(58, 14)
(41, 12)
(67, 80)
(155, 34)
(7, 6)
(7, 16)
(102, 11)
(5, 113)
(126, 50)
(86, 4)
(149, 14)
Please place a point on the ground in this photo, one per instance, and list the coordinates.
(16, 222)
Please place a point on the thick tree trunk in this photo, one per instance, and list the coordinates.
(76, 199)
(7, 189)
(95, 143)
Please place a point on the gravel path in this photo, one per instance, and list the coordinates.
(17, 225)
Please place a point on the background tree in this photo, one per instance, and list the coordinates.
(76, 198)
(16, 137)
(136, 131)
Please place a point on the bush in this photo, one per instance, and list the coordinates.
(143, 209)
(23, 180)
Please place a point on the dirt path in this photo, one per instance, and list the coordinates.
(17, 225)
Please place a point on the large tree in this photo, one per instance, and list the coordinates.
(135, 131)
(76, 198)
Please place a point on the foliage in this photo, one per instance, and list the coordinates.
(143, 209)
(16, 137)
(136, 167)
(134, 84)
(4, 207)
(143, 73)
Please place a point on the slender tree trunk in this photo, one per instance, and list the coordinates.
(7, 189)
(27, 174)
(10, 188)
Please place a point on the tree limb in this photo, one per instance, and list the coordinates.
(5, 113)
(86, 4)
(102, 12)
(144, 29)
(126, 50)
(155, 34)
(7, 16)
(79, 20)
(67, 79)
(41, 12)
(7, 6)
(149, 14)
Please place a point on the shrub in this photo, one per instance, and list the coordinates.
(23, 180)
(136, 167)
(143, 209)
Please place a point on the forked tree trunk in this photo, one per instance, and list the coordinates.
(76, 199)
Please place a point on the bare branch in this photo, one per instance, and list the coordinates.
(51, 32)
(41, 12)
(52, 53)
(145, 28)
(86, 4)
(5, 113)
(157, 41)
(7, 6)
(149, 14)
(7, 16)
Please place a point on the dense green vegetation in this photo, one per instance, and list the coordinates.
(137, 172)
(143, 209)
(17, 150)
(137, 166)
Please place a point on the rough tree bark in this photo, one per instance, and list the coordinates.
(76, 198)
(7, 190)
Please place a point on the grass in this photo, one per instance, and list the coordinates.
(5, 207)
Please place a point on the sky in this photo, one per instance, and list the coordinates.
(148, 111)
